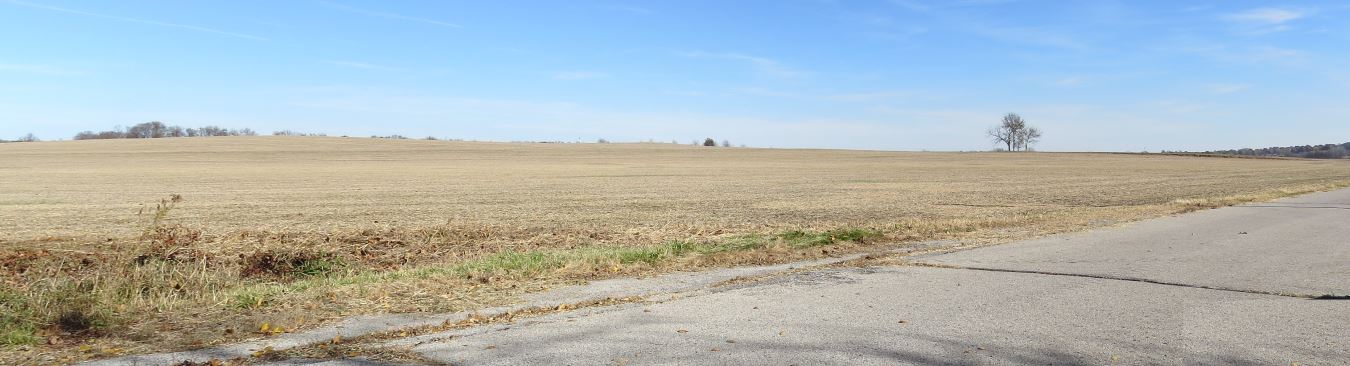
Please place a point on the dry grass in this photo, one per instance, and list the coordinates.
(295, 232)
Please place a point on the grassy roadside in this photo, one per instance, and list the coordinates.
(175, 287)
(585, 262)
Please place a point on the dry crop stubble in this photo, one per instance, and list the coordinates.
(297, 231)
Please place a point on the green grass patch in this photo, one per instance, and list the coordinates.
(649, 255)
(74, 311)
(653, 255)
(516, 262)
(17, 320)
(318, 266)
(807, 239)
(251, 297)
(545, 261)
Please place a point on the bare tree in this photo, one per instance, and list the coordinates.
(1027, 137)
(30, 137)
(1001, 135)
(726, 143)
(213, 131)
(152, 129)
(1014, 133)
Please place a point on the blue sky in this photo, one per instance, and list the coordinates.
(898, 75)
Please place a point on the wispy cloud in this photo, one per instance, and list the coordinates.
(926, 6)
(897, 34)
(1071, 81)
(1267, 15)
(686, 93)
(1272, 53)
(1246, 54)
(579, 75)
(1175, 106)
(866, 19)
(39, 69)
(846, 97)
(763, 65)
(912, 5)
(1267, 20)
(983, 2)
(953, 15)
(1227, 88)
(1037, 36)
(134, 20)
(1195, 8)
(361, 65)
(767, 92)
(387, 15)
(635, 10)
(881, 27)
(869, 96)
(1076, 80)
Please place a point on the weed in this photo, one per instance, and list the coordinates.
(161, 213)
(288, 265)
(807, 239)
(254, 297)
(680, 248)
(78, 308)
(736, 243)
(75, 321)
(517, 263)
(318, 266)
(649, 255)
(18, 325)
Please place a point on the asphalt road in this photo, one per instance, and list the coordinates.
(1227, 286)
(1296, 246)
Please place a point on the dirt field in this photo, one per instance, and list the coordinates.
(94, 189)
(304, 230)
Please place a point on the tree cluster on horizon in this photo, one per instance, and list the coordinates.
(1014, 133)
(1325, 151)
(294, 133)
(156, 129)
(30, 137)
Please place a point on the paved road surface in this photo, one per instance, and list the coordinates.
(1208, 295)
(1295, 246)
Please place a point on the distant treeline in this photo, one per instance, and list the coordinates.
(1328, 151)
(26, 138)
(293, 133)
(152, 130)
(156, 129)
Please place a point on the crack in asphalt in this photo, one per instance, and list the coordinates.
(1137, 279)
(1321, 207)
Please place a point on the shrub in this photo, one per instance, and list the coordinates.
(288, 264)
